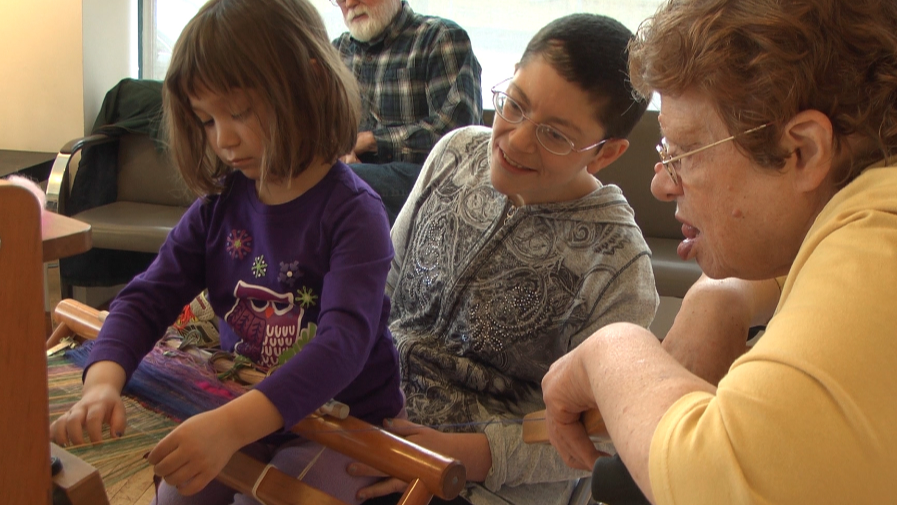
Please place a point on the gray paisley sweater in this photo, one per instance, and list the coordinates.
(486, 296)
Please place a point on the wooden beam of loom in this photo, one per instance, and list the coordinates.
(77, 480)
(386, 452)
(535, 431)
(427, 472)
(274, 487)
(75, 319)
(24, 427)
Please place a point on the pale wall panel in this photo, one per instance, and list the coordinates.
(41, 91)
(109, 48)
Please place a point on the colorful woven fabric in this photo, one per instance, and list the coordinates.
(115, 459)
(172, 382)
(169, 386)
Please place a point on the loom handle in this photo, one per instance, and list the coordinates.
(75, 318)
(389, 453)
(535, 431)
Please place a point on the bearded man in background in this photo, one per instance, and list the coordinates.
(419, 79)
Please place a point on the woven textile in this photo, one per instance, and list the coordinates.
(168, 387)
(118, 459)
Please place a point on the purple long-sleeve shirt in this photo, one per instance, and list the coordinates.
(314, 267)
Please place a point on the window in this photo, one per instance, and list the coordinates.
(498, 29)
(163, 21)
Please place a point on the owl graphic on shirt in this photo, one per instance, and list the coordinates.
(268, 323)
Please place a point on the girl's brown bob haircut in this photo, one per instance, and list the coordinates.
(763, 61)
(279, 49)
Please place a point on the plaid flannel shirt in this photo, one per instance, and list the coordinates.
(419, 80)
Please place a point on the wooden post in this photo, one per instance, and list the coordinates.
(24, 425)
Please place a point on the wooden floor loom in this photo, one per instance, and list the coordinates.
(427, 473)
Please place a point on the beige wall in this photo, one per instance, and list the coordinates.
(53, 78)
(109, 48)
(41, 92)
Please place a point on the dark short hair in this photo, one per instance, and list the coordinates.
(280, 50)
(591, 51)
(763, 61)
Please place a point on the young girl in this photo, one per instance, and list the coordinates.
(293, 248)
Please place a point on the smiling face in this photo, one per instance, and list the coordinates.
(521, 167)
(739, 219)
(366, 19)
(232, 123)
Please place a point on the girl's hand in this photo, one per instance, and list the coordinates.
(195, 452)
(471, 449)
(99, 404)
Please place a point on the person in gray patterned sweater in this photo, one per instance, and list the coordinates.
(509, 253)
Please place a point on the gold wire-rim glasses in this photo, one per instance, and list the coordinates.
(667, 161)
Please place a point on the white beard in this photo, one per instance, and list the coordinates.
(377, 19)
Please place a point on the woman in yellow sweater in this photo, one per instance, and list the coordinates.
(780, 151)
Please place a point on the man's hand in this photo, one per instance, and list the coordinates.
(365, 143)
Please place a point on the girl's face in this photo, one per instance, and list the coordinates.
(521, 167)
(233, 124)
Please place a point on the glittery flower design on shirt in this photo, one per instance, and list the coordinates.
(289, 272)
(239, 244)
(305, 297)
(259, 267)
